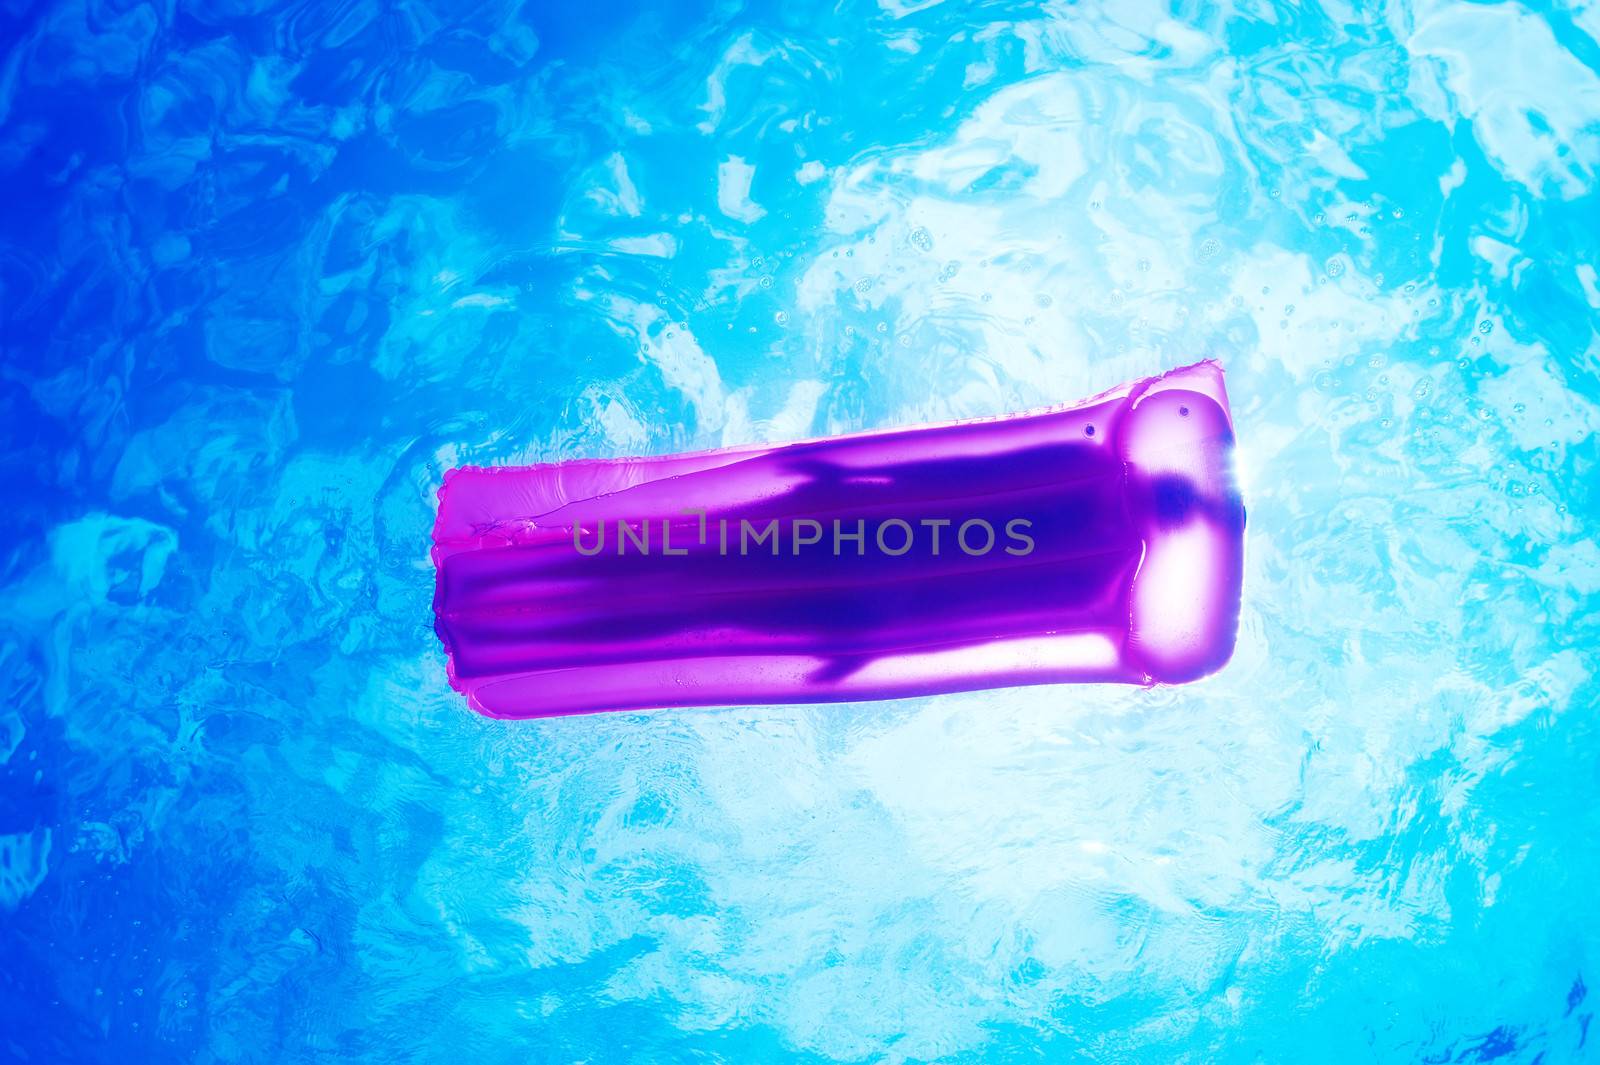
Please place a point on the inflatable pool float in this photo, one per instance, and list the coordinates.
(1096, 542)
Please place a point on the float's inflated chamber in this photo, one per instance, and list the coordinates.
(1100, 542)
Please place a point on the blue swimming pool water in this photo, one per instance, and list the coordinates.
(267, 271)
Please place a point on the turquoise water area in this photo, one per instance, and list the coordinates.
(267, 271)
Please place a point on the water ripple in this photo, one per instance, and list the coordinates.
(277, 267)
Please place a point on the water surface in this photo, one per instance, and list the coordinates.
(267, 271)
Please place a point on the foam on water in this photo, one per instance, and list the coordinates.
(267, 272)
